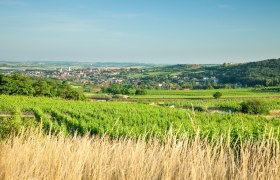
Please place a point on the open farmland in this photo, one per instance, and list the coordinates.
(136, 140)
(226, 93)
(128, 119)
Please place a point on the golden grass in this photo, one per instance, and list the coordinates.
(32, 155)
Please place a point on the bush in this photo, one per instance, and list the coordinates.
(217, 95)
(140, 92)
(254, 107)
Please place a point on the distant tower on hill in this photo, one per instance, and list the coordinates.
(69, 69)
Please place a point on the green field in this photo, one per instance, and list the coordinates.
(226, 93)
(230, 104)
(129, 119)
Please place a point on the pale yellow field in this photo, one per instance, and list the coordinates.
(36, 156)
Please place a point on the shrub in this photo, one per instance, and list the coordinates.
(140, 92)
(217, 95)
(254, 107)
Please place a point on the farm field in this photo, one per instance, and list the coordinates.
(226, 93)
(222, 104)
(132, 119)
(138, 139)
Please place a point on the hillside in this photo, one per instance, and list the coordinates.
(265, 73)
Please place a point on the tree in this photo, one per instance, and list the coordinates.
(42, 88)
(19, 85)
(217, 95)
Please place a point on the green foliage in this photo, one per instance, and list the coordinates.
(118, 89)
(7, 126)
(217, 95)
(132, 119)
(226, 93)
(17, 84)
(264, 73)
(123, 89)
(140, 92)
(254, 106)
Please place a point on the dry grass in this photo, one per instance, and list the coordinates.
(37, 156)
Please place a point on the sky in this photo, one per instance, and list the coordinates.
(146, 31)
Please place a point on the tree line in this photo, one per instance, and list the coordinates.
(123, 89)
(16, 84)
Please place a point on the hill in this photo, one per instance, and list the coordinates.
(266, 73)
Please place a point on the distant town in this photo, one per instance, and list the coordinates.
(108, 74)
(151, 76)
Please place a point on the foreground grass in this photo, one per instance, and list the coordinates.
(31, 155)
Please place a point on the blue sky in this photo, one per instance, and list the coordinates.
(150, 31)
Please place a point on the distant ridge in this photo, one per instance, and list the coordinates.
(266, 72)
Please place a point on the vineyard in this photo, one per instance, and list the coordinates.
(219, 104)
(131, 119)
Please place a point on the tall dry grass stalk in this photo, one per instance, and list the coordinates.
(36, 156)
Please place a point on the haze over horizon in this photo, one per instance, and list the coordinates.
(159, 31)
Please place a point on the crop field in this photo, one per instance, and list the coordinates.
(226, 93)
(223, 104)
(51, 138)
(118, 119)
